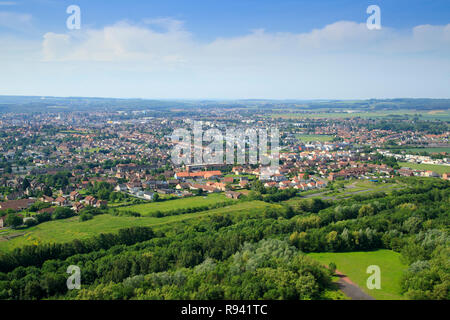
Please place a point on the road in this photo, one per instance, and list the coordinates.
(350, 289)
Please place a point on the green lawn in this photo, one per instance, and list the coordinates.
(70, 229)
(429, 150)
(433, 167)
(314, 137)
(354, 265)
(191, 202)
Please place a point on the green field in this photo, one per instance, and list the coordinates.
(162, 206)
(433, 167)
(354, 265)
(443, 115)
(429, 150)
(314, 137)
(70, 229)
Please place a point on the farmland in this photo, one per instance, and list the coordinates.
(433, 167)
(429, 150)
(442, 115)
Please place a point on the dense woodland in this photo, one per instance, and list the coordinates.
(247, 256)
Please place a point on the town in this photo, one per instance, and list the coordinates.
(146, 215)
(81, 160)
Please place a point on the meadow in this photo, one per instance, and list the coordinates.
(70, 229)
(314, 137)
(429, 150)
(354, 265)
(433, 167)
(168, 205)
(443, 115)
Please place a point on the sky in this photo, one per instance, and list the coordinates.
(233, 49)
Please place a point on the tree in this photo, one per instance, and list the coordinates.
(25, 184)
(14, 220)
(47, 191)
(62, 213)
(366, 210)
(332, 267)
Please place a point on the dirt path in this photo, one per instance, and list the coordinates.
(350, 289)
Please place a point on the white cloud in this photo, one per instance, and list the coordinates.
(15, 21)
(128, 42)
(120, 42)
(161, 59)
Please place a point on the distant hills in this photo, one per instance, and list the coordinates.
(21, 104)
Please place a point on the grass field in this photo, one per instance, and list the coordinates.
(354, 265)
(429, 150)
(313, 137)
(191, 202)
(443, 115)
(433, 167)
(70, 229)
(341, 115)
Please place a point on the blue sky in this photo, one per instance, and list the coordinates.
(226, 49)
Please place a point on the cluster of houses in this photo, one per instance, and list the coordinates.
(74, 200)
(16, 205)
(415, 158)
(408, 172)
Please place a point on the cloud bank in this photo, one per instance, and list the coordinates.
(159, 58)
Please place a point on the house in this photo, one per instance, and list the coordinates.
(17, 205)
(430, 174)
(148, 195)
(90, 201)
(61, 201)
(243, 184)
(270, 184)
(2, 222)
(101, 203)
(14, 195)
(446, 176)
(209, 189)
(135, 185)
(47, 199)
(47, 210)
(284, 184)
(202, 174)
(321, 184)
(237, 170)
(121, 188)
(233, 195)
(228, 180)
(77, 207)
(217, 185)
(165, 191)
(74, 196)
(278, 177)
(406, 172)
(182, 185)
